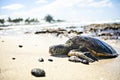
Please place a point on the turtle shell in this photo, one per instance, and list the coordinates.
(93, 45)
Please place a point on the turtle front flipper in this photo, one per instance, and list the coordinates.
(80, 55)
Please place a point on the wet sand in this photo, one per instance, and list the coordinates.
(26, 58)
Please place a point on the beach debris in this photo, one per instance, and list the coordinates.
(86, 48)
(60, 31)
(20, 46)
(13, 58)
(2, 41)
(77, 59)
(51, 60)
(27, 32)
(105, 30)
(37, 72)
(41, 60)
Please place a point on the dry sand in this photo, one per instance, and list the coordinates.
(60, 69)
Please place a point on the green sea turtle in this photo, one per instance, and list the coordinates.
(85, 48)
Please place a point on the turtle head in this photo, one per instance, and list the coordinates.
(59, 49)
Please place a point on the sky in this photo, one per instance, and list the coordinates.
(70, 10)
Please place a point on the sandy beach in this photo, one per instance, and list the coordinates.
(35, 47)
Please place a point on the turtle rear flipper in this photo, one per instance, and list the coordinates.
(88, 54)
(77, 59)
(80, 55)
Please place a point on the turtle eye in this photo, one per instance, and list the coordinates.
(69, 42)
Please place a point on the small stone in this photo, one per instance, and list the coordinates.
(50, 60)
(41, 60)
(38, 72)
(20, 46)
(13, 58)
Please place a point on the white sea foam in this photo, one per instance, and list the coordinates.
(21, 29)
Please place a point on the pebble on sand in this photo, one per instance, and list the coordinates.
(13, 58)
(51, 60)
(20, 46)
(38, 72)
(41, 60)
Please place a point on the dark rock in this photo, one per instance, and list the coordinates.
(13, 58)
(38, 72)
(50, 60)
(41, 60)
(20, 46)
(40, 32)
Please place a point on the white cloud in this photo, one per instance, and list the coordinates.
(61, 5)
(64, 3)
(82, 3)
(41, 1)
(96, 4)
(56, 6)
(102, 3)
(13, 6)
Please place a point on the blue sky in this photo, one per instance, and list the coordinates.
(70, 10)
